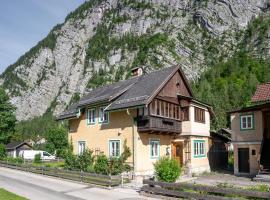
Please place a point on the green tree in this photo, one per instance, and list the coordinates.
(3, 152)
(7, 117)
(35, 128)
(230, 85)
(57, 140)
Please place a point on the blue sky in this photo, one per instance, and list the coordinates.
(25, 22)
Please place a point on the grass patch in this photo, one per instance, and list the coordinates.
(6, 195)
(50, 164)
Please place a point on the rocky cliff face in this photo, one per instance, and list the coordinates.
(100, 41)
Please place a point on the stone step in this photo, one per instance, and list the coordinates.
(262, 178)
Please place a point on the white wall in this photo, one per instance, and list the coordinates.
(195, 128)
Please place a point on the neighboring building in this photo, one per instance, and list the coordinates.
(155, 113)
(219, 146)
(251, 134)
(13, 149)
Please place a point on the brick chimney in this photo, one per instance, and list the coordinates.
(137, 71)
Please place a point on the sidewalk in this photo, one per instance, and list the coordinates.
(37, 187)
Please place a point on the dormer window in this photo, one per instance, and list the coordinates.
(103, 115)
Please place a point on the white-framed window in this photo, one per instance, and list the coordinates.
(91, 116)
(154, 148)
(103, 115)
(199, 148)
(81, 147)
(114, 148)
(247, 122)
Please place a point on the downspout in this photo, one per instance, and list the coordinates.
(133, 141)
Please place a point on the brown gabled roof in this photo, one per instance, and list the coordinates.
(262, 93)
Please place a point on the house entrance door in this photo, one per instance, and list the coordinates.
(243, 160)
(177, 152)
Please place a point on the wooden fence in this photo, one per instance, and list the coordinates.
(200, 192)
(92, 178)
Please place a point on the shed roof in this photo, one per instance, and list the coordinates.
(16, 144)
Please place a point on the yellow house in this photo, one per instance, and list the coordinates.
(156, 113)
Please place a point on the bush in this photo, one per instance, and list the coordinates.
(3, 152)
(101, 166)
(71, 161)
(167, 169)
(37, 158)
(86, 161)
(57, 140)
(17, 160)
(115, 166)
(82, 162)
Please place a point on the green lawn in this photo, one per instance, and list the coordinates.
(6, 195)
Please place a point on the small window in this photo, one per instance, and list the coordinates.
(246, 122)
(103, 115)
(199, 115)
(199, 148)
(91, 116)
(185, 113)
(114, 148)
(154, 148)
(81, 147)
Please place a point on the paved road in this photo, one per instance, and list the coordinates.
(39, 187)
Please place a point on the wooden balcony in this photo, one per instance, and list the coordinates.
(158, 124)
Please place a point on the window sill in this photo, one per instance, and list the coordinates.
(200, 156)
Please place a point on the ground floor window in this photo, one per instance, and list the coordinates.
(199, 148)
(114, 148)
(154, 148)
(81, 147)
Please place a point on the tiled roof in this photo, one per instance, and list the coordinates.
(262, 93)
(124, 94)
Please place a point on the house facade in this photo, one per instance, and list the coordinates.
(251, 134)
(155, 113)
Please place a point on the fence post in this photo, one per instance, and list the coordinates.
(122, 180)
(110, 181)
(81, 176)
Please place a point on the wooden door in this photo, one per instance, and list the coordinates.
(243, 160)
(177, 152)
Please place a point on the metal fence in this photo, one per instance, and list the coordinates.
(92, 178)
(200, 192)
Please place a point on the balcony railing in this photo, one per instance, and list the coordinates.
(158, 124)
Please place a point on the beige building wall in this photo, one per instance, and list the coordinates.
(247, 135)
(194, 128)
(145, 164)
(253, 159)
(247, 139)
(122, 127)
(97, 136)
(199, 164)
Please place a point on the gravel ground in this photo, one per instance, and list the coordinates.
(215, 178)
